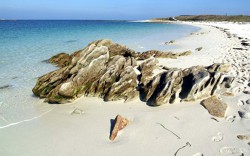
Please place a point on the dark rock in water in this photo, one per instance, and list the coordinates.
(215, 106)
(71, 41)
(118, 124)
(107, 70)
(5, 86)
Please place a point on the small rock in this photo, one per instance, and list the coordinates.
(61, 59)
(199, 49)
(170, 42)
(248, 101)
(5, 86)
(215, 106)
(246, 92)
(244, 115)
(77, 111)
(119, 124)
(243, 137)
(228, 94)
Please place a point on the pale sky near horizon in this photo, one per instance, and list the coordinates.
(117, 9)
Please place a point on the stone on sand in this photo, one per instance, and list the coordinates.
(215, 106)
(119, 124)
(243, 137)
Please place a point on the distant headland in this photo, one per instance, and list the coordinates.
(215, 18)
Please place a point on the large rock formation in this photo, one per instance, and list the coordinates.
(102, 69)
(174, 85)
(107, 70)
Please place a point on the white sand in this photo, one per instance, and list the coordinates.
(57, 132)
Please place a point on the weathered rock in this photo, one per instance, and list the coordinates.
(248, 101)
(160, 54)
(243, 137)
(119, 124)
(61, 59)
(163, 88)
(199, 49)
(215, 106)
(107, 70)
(174, 85)
(146, 69)
(102, 69)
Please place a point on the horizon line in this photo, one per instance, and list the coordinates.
(127, 19)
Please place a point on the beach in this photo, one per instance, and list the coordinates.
(181, 129)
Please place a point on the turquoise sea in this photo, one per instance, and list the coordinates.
(25, 44)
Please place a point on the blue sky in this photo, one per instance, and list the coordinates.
(117, 9)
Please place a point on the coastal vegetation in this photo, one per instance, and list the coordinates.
(235, 18)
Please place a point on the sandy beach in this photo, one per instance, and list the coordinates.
(183, 129)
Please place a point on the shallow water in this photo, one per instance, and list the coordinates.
(25, 44)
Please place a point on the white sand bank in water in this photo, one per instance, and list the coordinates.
(60, 133)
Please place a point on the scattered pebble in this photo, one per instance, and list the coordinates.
(243, 137)
(77, 111)
(246, 92)
(245, 115)
(199, 49)
(248, 101)
(170, 42)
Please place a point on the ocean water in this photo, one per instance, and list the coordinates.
(25, 44)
